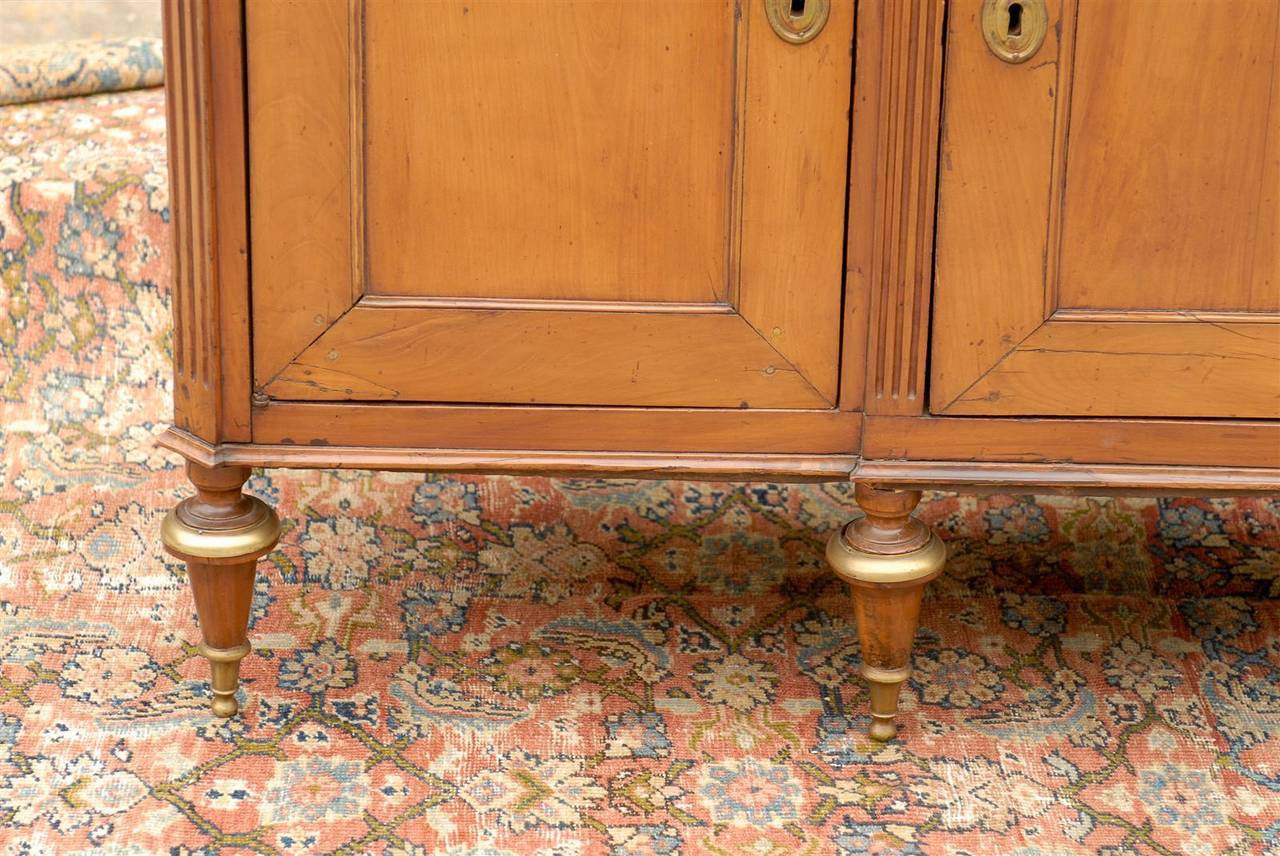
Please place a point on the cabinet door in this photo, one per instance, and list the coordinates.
(1109, 210)
(598, 202)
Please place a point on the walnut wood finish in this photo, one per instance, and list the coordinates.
(650, 89)
(205, 41)
(1076, 479)
(1198, 227)
(1199, 366)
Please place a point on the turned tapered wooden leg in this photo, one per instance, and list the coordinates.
(221, 533)
(887, 558)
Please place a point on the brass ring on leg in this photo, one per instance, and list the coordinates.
(254, 536)
(873, 576)
(221, 544)
(858, 566)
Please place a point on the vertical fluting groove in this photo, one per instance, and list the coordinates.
(892, 170)
(882, 237)
(901, 131)
(909, 96)
(924, 149)
(200, 214)
(909, 132)
(356, 129)
(176, 130)
(187, 227)
(188, 79)
(192, 205)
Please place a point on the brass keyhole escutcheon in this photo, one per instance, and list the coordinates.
(797, 21)
(1014, 29)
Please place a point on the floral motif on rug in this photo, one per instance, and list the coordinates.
(529, 666)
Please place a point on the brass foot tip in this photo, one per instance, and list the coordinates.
(883, 730)
(224, 678)
(225, 706)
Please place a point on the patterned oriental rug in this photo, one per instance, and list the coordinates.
(528, 666)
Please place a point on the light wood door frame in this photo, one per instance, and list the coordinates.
(772, 342)
(1001, 344)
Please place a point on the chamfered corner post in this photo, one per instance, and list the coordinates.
(887, 557)
(221, 533)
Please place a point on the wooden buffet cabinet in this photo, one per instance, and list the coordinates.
(967, 245)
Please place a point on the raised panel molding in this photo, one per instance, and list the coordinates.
(305, 233)
(891, 235)
(1003, 342)
(778, 242)
(546, 357)
(1073, 360)
(206, 168)
(311, 227)
(1010, 199)
(560, 429)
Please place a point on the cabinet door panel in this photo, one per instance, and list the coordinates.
(547, 201)
(1107, 226)
(1170, 181)
(552, 133)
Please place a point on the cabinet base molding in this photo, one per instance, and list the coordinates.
(1166, 442)
(659, 465)
(982, 476)
(559, 429)
(1071, 478)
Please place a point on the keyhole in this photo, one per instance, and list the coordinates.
(797, 8)
(1015, 18)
